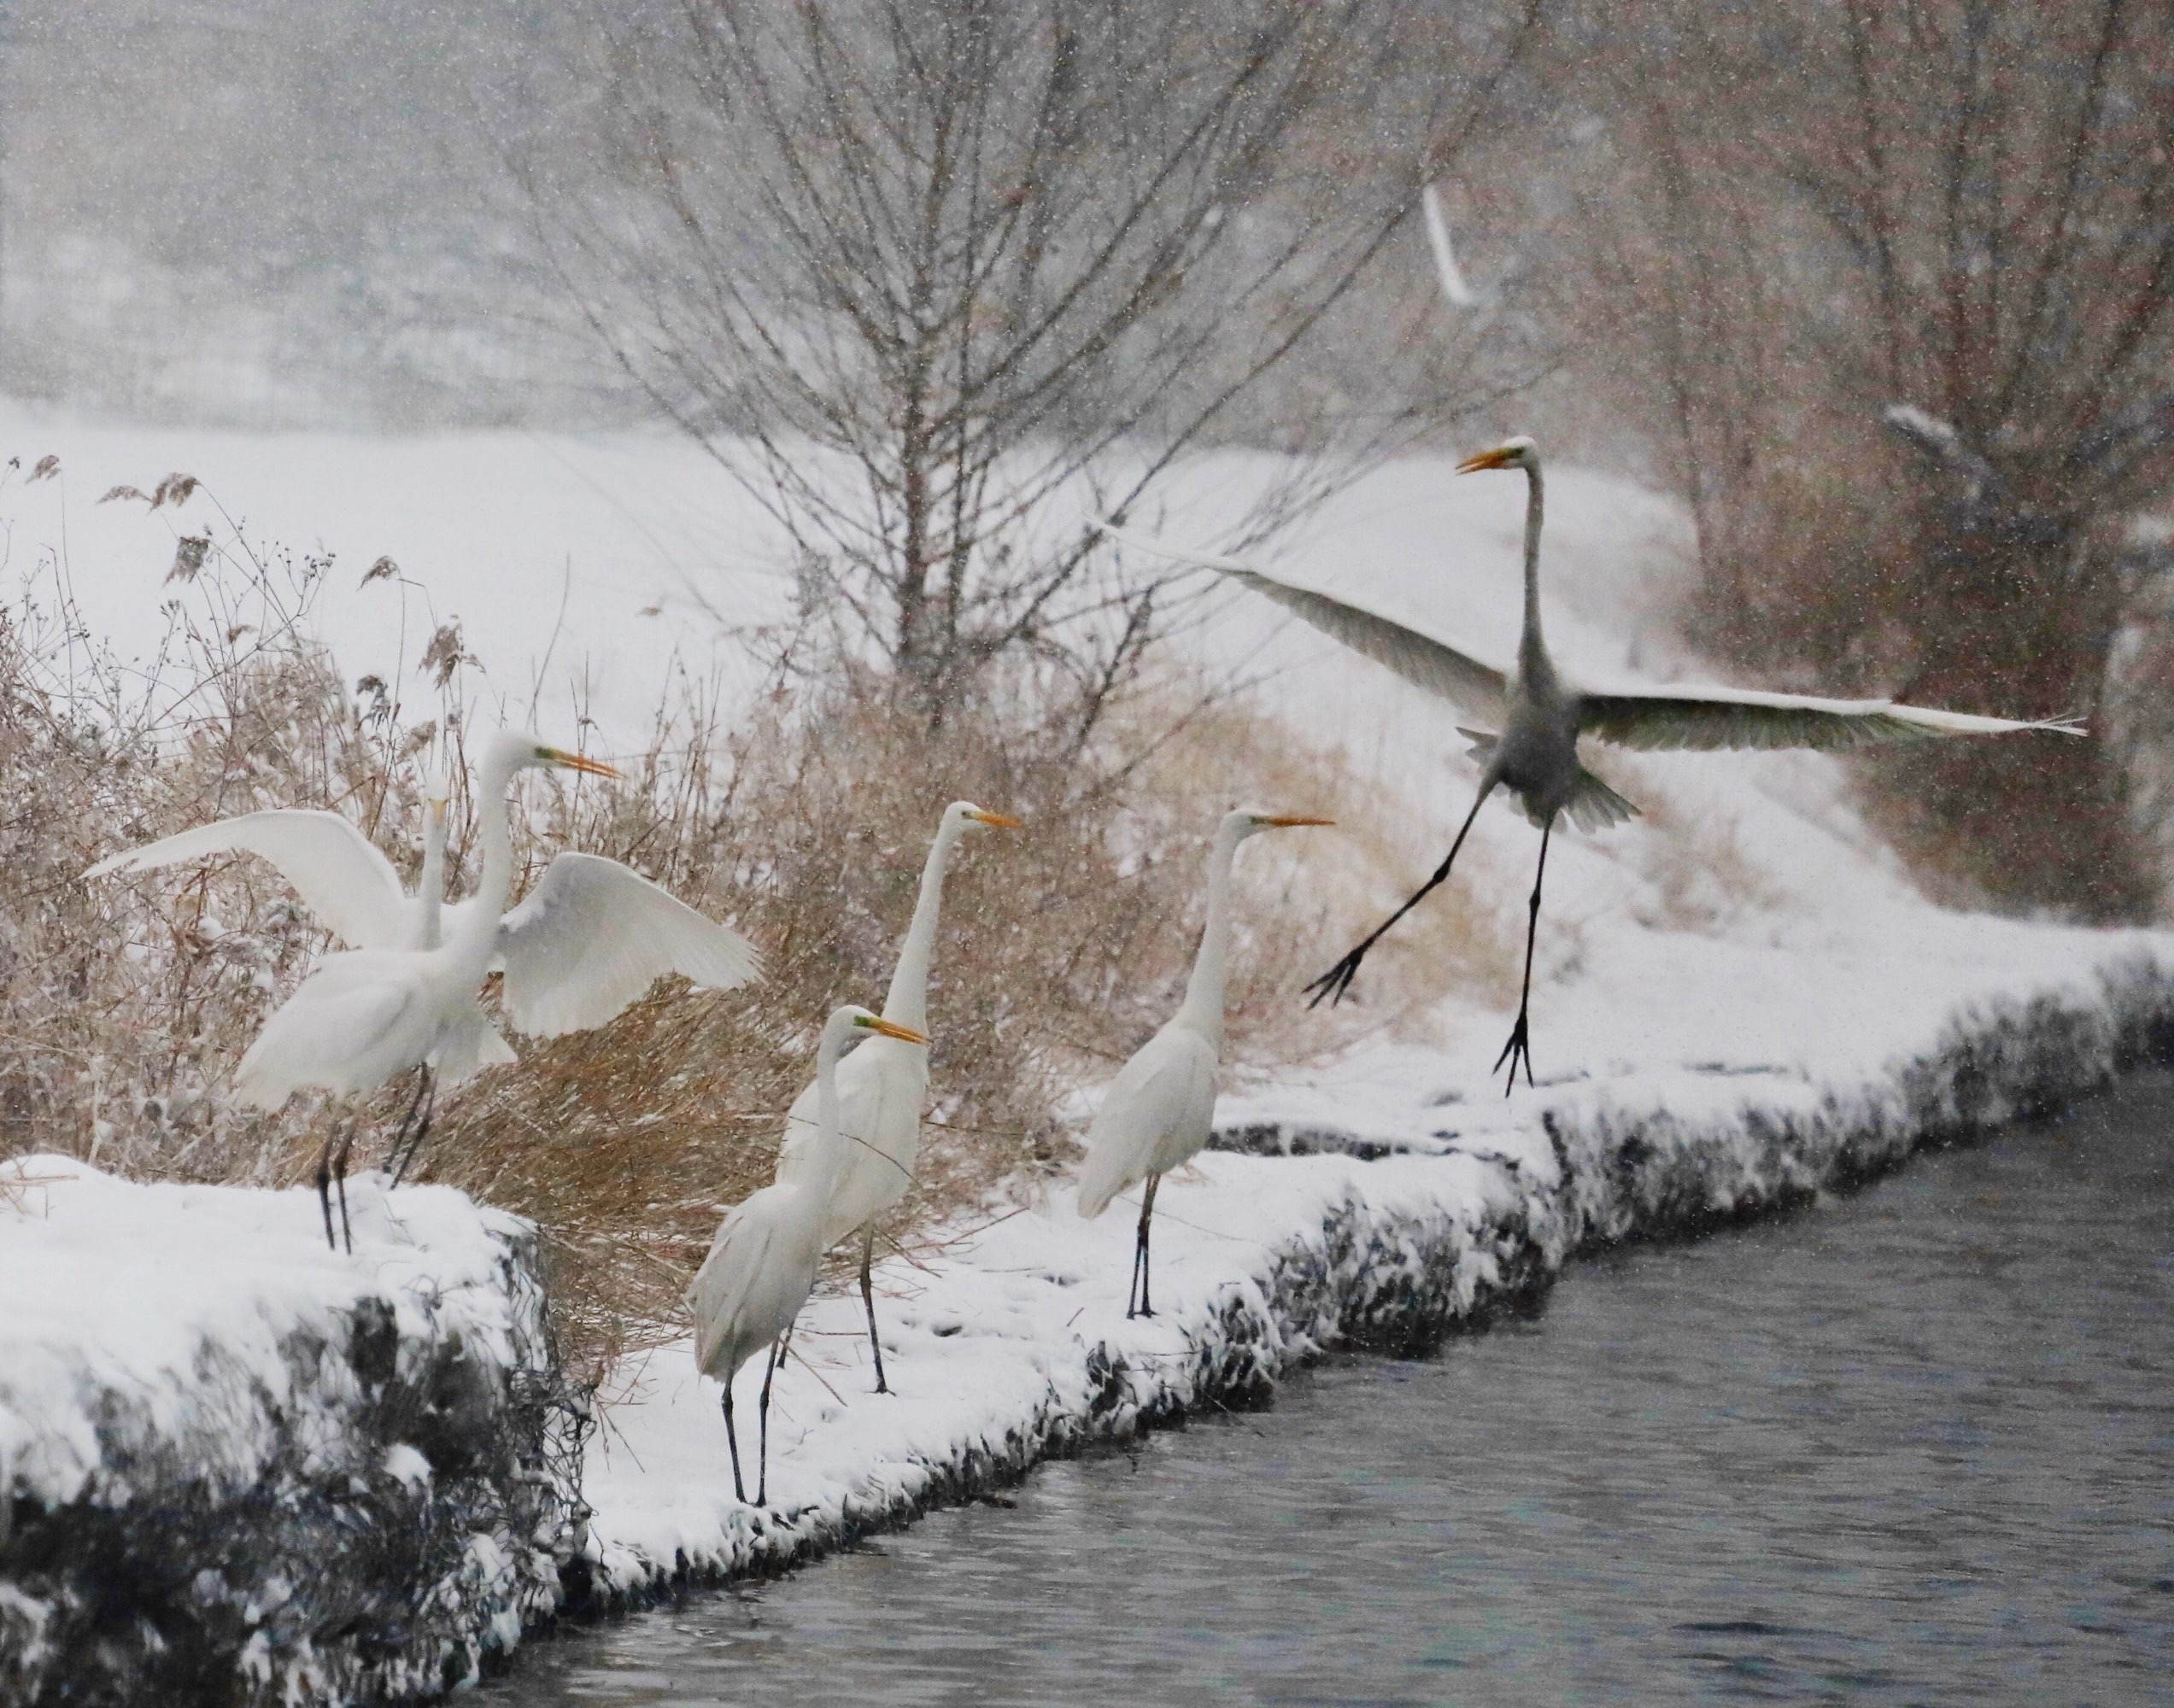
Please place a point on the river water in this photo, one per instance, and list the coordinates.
(1912, 1445)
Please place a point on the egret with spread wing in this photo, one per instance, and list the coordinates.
(883, 1084)
(761, 1266)
(1534, 716)
(1156, 1116)
(365, 1015)
(590, 937)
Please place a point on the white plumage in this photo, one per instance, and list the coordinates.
(591, 937)
(883, 1086)
(761, 1266)
(1157, 1113)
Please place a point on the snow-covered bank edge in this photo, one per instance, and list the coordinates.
(1398, 1252)
(236, 1467)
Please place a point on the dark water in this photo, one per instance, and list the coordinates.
(1914, 1446)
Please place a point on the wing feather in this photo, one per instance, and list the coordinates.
(593, 935)
(336, 870)
(1470, 683)
(1710, 718)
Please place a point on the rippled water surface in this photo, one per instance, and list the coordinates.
(1913, 1446)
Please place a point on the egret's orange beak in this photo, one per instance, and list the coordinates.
(579, 761)
(1002, 820)
(890, 1028)
(1500, 457)
(1290, 822)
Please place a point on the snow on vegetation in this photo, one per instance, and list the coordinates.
(1740, 999)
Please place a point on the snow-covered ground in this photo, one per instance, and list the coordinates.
(325, 1471)
(1740, 998)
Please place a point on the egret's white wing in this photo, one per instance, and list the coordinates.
(1445, 261)
(1476, 687)
(340, 875)
(593, 936)
(1159, 1105)
(339, 1031)
(1710, 718)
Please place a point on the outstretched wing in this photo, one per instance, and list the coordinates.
(1708, 719)
(1471, 684)
(593, 936)
(341, 877)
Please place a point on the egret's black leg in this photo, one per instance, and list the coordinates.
(1146, 1215)
(339, 1175)
(325, 1188)
(732, 1441)
(1333, 983)
(400, 1133)
(1521, 1035)
(868, 1298)
(762, 1416)
(1139, 1245)
(427, 1097)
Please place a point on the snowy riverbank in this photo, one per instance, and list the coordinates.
(230, 1452)
(238, 1466)
(1012, 1345)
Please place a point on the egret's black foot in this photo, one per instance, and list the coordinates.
(1519, 1048)
(1332, 984)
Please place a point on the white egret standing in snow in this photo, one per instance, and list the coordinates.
(882, 1086)
(1156, 1111)
(1535, 715)
(365, 1014)
(761, 1266)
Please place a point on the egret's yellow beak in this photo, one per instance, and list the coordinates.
(576, 762)
(890, 1028)
(1288, 821)
(1002, 820)
(1500, 457)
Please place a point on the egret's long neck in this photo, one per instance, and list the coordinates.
(830, 1148)
(431, 895)
(906, 1002)
(1203, 1008)
(478, 932)
(1530, 646)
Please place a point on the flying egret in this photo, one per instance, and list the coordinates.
(1156, 1111)
(1536, 715)
(883, 1084)
(365, 1015)
(761, 1266)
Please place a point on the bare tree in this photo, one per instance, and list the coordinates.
(913, 269)
(1906, 275)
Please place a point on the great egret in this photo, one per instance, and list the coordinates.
(589, 938)
(1536, 715)
(365, 1015)
(761, 1266)
(882, 1086)
(1157, 1113)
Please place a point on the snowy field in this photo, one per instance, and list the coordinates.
(1743, 975)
